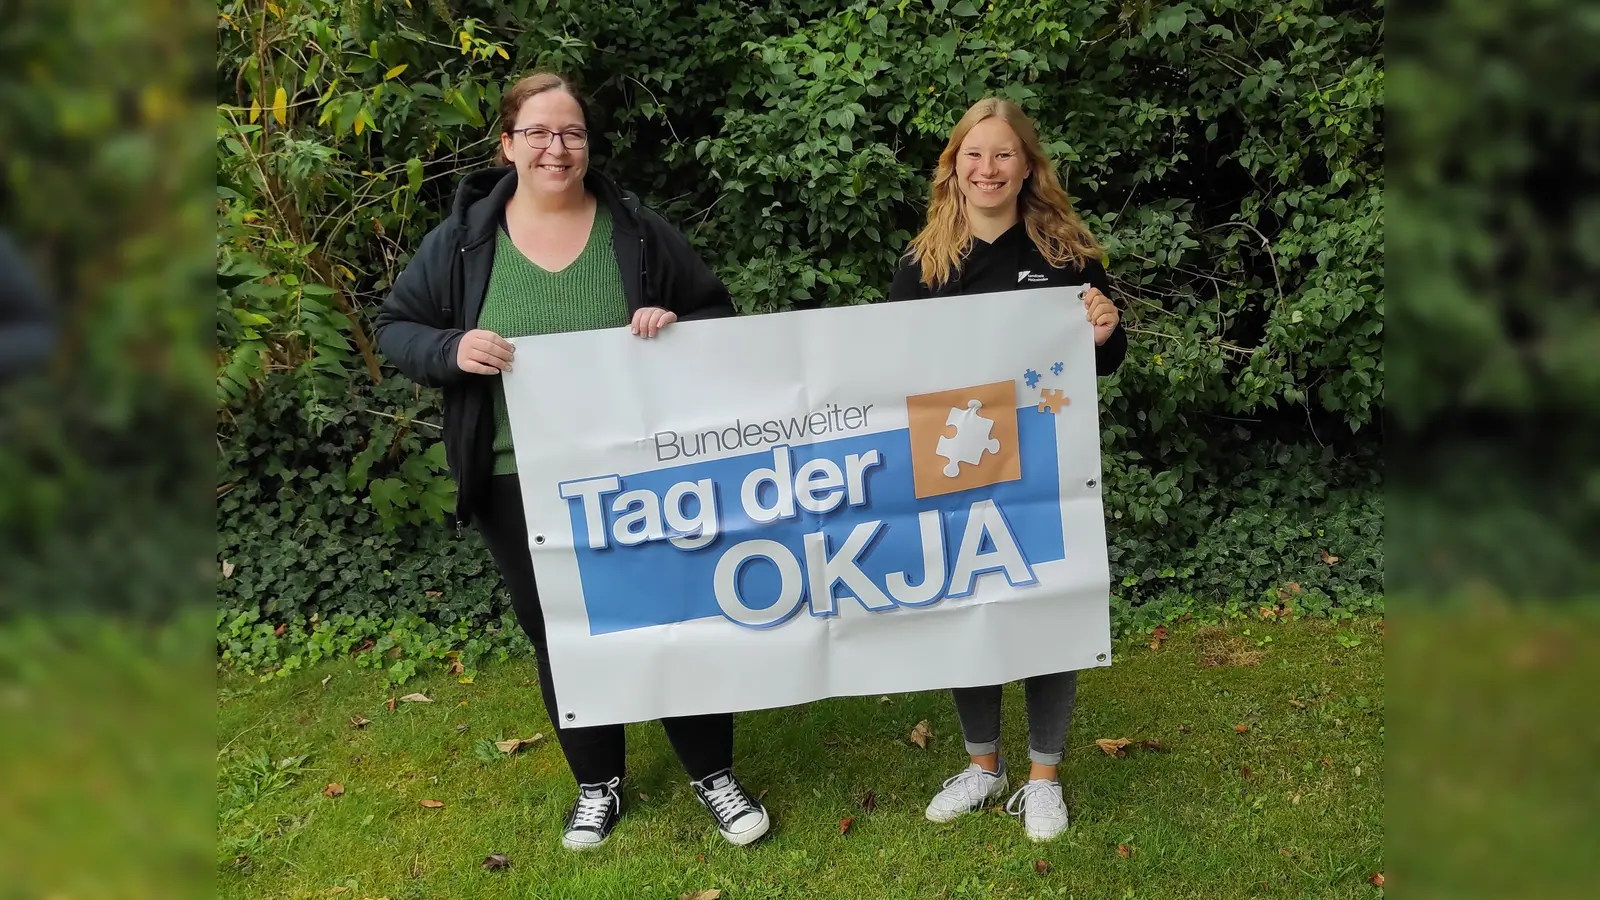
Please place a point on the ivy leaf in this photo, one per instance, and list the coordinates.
(964, 8)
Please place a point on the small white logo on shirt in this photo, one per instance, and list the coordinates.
(1021, 275)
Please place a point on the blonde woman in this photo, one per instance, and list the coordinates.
(999, 220)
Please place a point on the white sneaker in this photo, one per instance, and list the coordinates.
(740, 819)
(969, 791)
(1043, 812)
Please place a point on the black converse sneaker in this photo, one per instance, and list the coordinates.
(740, 819)
(593, 816)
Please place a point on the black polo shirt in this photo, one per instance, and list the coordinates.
(1013, 263)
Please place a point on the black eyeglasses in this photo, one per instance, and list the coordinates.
(542, 138)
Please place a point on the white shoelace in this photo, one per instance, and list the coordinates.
(972, 782)
(1046, 793)
(728, 800)
(591, 812)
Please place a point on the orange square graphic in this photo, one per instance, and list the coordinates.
(963, 439)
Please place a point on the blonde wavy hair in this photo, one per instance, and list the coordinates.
(1042, 203)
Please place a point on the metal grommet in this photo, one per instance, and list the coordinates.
(572, 717)
(1100, 658)
(1090, 483)
(538, 539)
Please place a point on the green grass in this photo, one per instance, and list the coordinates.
(1305, 821)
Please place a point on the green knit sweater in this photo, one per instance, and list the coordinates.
(523, 300)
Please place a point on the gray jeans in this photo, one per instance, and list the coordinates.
(1051, 699)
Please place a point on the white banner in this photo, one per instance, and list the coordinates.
(763, 511)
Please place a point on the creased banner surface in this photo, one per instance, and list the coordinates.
(756, 512)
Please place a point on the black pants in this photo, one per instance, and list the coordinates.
(596, 754)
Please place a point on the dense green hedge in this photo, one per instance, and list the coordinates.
(1228, 153)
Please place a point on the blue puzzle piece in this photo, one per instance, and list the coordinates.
(1032, 378)
(1056, 369)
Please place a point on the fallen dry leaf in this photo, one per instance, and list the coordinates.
(1241, 728)
(462, 728)
(1185, 728)
(1157, 637)
(1153, 745)
(1285, 852)
(760, 795)
(869, 801)
(416, 698)
(1041, 866)
(1329, 558)
(359, 722)
(430, 804)
(326, 680)
(333, 790)
(846, 823)
(884, 700)
(278, 632)
(1296, 703)
(1123, 851)
(495, 861)
(515, 744)
(1113, 746)
(227, 570)
(1327, 763)
(701, 895)
(1289, 591)
(433, 594)
(1375, 879)
(456, 668)
(921, 734)
(1244, 771)
(390, 704)
(1269, 612)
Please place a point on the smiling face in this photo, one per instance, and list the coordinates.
(555, 169)
(991, 166)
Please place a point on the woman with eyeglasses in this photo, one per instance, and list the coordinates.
(544, 244)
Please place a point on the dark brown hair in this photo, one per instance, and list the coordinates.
(526, 88)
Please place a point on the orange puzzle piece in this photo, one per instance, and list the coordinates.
(1051, 400)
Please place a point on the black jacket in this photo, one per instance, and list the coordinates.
(439, 294)
(1013, 263)
(27, 326)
